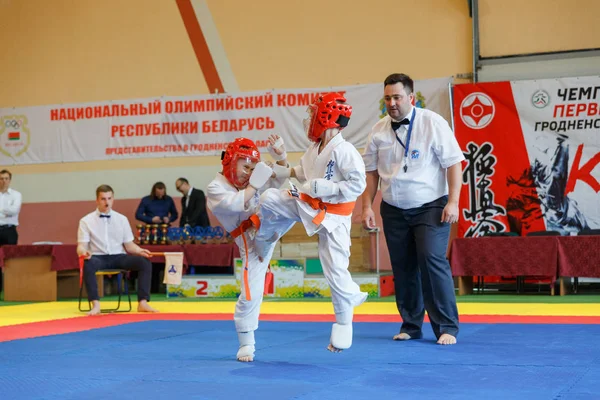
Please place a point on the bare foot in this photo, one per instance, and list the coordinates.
(143, 306)
(333, 349)
(95, 308)
(245, 354)
(402, 336)
(246, 359)
(446, 339)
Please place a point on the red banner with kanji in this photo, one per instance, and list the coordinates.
(532, 152)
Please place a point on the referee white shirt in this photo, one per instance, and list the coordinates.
(432, 149)
(10, 206)
(105, 233)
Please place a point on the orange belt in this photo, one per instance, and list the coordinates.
(253, 221)
(317, 204)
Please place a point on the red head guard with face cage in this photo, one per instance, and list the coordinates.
(239, 149)
(328, 111)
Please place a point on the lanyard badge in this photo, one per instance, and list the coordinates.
(410, 126)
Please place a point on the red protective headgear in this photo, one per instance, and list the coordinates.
(328, 111)
(239, 149)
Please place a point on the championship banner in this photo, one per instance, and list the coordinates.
(186, 126)
(532, 151)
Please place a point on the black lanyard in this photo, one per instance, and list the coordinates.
(410, 126)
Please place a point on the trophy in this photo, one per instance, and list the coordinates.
(154, 233)
(218, 234)
(139, 232)
(180, 237)
(188, 235)
(174, 235)
(199, 234)
(163, 233)
(147, 234)
(210, 234)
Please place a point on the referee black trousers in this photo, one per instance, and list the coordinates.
(417, 242)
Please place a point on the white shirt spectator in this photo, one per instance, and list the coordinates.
(10, 206)
(105, 233)
(431, 150)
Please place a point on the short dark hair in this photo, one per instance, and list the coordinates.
(404, 79)
(183, 180)
(157, 185)
(5, 171)
(104, 189)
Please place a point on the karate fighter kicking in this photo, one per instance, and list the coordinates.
(233, 198)
(332, 174)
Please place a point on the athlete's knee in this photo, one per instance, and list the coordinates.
(268, 198)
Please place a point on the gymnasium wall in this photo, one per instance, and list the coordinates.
(514, 27)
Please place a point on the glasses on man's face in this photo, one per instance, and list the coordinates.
(178, 187)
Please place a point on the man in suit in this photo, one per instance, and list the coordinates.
(193, 205)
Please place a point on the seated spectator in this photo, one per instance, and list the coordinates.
(158, 208)
(105, 240)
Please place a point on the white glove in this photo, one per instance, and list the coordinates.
(280, 146)
(322, 188)
(281, 171)
(261, 174)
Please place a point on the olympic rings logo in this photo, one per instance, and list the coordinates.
(12, 123)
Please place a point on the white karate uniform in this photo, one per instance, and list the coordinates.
(226, 203)
(339, 162)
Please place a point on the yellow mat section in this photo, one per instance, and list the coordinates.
(25, 313)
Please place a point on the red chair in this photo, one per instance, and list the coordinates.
(122, 277)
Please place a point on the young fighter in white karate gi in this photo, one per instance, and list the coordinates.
(233, 199)
(333, 176)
